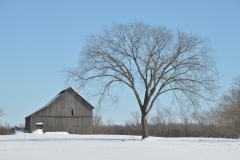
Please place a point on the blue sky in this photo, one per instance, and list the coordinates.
(38, 39)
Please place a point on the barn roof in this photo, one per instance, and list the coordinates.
(58, 95)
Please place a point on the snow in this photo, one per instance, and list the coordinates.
(68, 146)
(56, 133)
(21, 131)
(38, 131)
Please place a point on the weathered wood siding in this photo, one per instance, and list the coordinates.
(69, 112)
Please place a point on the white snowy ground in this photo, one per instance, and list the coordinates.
(108, 147)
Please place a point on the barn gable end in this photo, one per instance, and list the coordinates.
(68, 112)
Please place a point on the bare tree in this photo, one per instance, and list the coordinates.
(171, 117)
(230, 105)
(97, 123)
(110, 127)
(5, 129)
(1, 112)
(158, 121)
(185, 115)
(135, 122)
(150, 60)
(198, 117)
(162, 121)
(237, 81)
(211, 122)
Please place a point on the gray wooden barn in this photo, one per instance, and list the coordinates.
(68, 112)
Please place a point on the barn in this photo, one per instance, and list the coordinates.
(67, 112)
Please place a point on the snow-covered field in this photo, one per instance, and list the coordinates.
(106, 147)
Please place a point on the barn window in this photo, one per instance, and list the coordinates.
(72, 112)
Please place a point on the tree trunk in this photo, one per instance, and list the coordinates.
(144, 126)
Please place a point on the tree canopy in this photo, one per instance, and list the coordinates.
(150, 60)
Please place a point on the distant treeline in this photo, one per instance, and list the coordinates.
(166, 123)
(6, 129)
